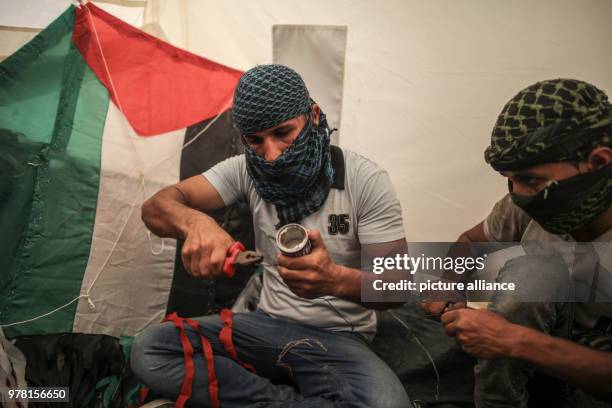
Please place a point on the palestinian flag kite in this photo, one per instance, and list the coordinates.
(95, 117)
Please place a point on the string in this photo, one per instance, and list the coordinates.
(420, 344)
(44, 315)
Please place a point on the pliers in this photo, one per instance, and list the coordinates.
(238, 255)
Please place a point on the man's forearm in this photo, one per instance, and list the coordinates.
(586, 368)
(350, 288)
(166, 214)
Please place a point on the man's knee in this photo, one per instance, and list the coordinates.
(539, 316)
(388, 395)
(144, 357)
(536, 278)
(383, 391)
(541, 284)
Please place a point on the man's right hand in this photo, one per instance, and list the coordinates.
(205, 248)
(435, 309)
(177, 211)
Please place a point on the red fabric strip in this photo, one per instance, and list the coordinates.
(225, 337)
(158, 87)
(144, 391)
(187, 386)
(213, 383)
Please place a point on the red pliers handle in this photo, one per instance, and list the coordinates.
(237, 254)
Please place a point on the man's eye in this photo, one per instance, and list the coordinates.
(529, 181)
(252, 140)
(281, 134)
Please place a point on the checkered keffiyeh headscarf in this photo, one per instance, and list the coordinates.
(299, 180)
(550, 121)
(268, 95)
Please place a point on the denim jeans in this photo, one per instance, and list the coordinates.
(297, 365)
(503, 382)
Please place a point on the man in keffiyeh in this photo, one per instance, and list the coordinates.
(309, 339)
(553, 143)
(297, 179)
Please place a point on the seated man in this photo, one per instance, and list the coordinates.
(553, 142)
(309, 340)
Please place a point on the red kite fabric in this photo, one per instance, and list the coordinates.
(158, 87)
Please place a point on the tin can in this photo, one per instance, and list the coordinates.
(292, 240)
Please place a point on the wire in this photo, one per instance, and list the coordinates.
(339, 314)
(420, 343)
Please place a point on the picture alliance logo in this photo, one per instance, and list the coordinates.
(429, 286)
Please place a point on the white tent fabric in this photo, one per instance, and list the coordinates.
(31, 13)
(424, 80)
(12, 38)
(318, 53)
(21, 20)
(40, 13)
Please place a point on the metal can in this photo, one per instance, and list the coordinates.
(292, 240)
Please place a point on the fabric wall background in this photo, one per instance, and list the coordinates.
(14, 37)
(21, 20)
(318, 53)
(424, 80)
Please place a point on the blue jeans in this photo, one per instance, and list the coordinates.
(502, 383)
(297, 365)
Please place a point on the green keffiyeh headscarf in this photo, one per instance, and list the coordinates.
(548, 122)
(559, 120)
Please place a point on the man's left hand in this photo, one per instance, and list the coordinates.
(480, 332)
(312, 275)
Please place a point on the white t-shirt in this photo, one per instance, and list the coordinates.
(368, 204)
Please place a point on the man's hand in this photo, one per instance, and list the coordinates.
(176, 211)
(313, 275)
(481, 332)
(435, 309)
(205, 248)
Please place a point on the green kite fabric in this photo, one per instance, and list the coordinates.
(56, 132)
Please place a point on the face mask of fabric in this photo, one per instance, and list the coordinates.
(298, 181)
(571, 204)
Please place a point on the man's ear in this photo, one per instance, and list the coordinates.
(599, 157)
(316, 114)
